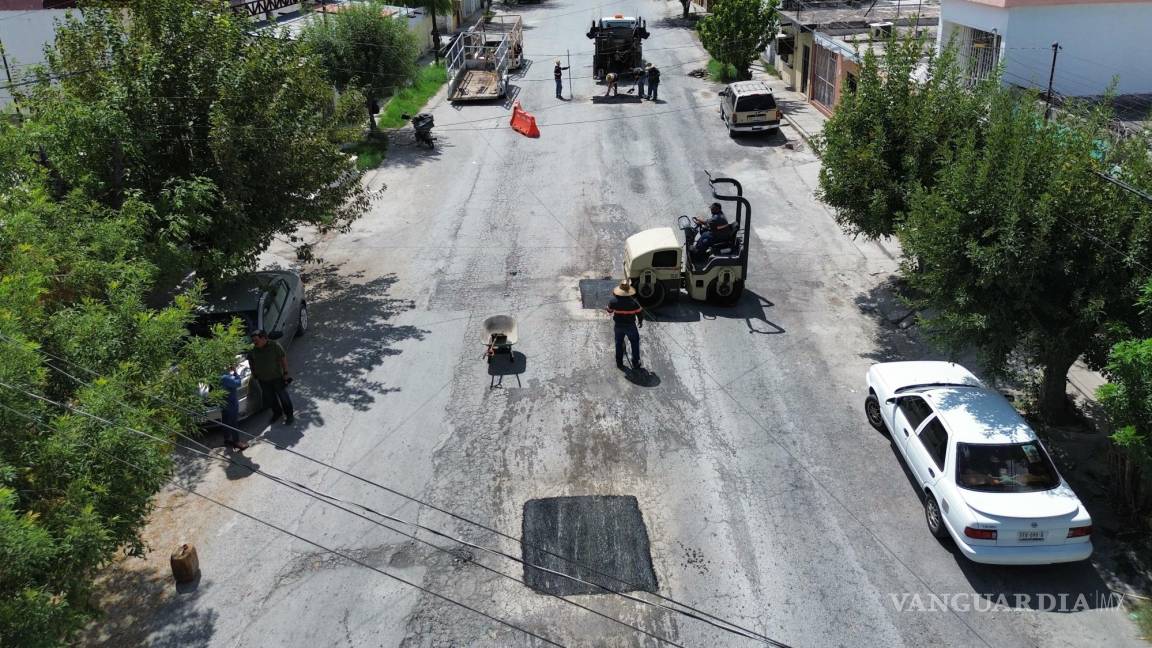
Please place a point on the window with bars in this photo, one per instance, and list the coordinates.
(981, 51)
(824, 77)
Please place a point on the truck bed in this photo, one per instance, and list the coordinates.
(477, 85)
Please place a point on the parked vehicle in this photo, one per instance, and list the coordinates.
(479, 59)
(986, 479)
(749, 107)
(272, 300)
(657, 262)
(422, 125)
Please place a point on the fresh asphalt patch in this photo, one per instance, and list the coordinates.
(596, 293)
(605, 533)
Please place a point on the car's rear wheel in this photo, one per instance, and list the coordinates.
(933, 517)
(872, 411)
(302, 320)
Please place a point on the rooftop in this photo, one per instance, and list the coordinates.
(853, 17)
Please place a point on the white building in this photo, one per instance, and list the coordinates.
(26, 26)
(1099, 39)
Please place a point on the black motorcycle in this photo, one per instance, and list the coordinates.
(422, 124)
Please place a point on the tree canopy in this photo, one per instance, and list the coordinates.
(75, 328)
(892, 133)
(364, 49)
(227, 136)
(736, 31)
(1022, 247)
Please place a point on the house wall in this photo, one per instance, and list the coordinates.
(25, 33)
(790, 72)
(1097, 40)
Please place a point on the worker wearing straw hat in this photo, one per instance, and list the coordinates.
(626, 321)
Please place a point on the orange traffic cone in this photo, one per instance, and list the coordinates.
(522, 122)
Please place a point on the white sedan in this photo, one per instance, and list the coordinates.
(987, 480)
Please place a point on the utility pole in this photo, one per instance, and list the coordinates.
(435, 32)
(1051, 78)
(571, 90)
(8, 73)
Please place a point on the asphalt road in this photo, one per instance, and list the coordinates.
(766, 498)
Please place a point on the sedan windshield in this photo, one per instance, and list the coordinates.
(1005, 468)
(202, 325)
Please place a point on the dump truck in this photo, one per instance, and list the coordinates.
(618, 45)
(658, 264)
(479, 59)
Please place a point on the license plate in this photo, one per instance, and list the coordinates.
(1029, 536)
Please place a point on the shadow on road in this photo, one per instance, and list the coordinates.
(897, 336)
(141, 605)
(405, 151)
(750, 308)
(771, 139)
(502, 365)
(351, 335)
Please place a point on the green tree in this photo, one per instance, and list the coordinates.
(229, 137)
(73, 280)
(1127, 399)
(1024, 249)
(892, 134)
(738, 30)
(364, 49)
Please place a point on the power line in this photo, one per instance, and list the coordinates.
(693, 613)
(188, 489)
(337, 503)
(314, 493)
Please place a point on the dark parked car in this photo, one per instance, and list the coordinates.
(272, 300)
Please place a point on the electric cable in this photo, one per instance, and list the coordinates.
(338, 503)
(692, 612)
(188, 489)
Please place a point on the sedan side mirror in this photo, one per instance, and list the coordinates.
(889, 401)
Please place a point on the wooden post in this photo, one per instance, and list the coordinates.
(570, 89)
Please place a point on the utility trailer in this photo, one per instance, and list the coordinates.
(480, 58)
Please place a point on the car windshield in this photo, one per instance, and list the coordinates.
(755, 103)
(1005, 468)
(202, 325)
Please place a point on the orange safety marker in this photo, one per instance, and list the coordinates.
(522, 122)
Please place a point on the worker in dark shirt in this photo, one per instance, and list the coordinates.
(558, 74)
(269, 366)
(626, 321)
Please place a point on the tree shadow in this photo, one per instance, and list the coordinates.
(351, 335)
(897, 336)
(141, 605)
(405, 151)
(677, 22)
(751, 308)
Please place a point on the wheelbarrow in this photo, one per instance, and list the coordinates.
(499, 336)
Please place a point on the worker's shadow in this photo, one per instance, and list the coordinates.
(641, 377)
(239, 466)
(501, 365)
(750, 308)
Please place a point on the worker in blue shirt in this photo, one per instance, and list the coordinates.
(230, 415)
